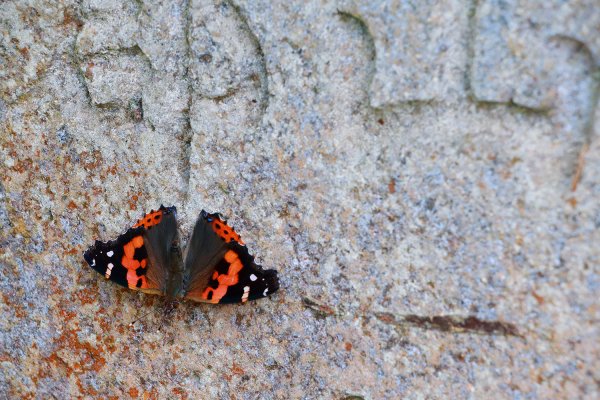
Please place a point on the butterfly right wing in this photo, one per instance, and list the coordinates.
(203, 252)
(218, 269)
(220, 227)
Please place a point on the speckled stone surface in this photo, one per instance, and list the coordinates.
(425, 176)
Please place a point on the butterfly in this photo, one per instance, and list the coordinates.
(214, 268)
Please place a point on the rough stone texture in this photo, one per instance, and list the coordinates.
(519, 53)
(421, 48)
(425, 176)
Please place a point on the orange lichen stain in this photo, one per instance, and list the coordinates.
(17, 308)
(225, 231)
(90, 160)
(81, 357)
(572, 202)
(69, 18)
(103, 322)
(348, 346)
(111, 170)
(133, 201)
(153, 394)
(180, 393)
(72, 251)
(392, 186)
(24, 52)
(89, 71)
(71, 205)
(23, 165)
(236, 369)
(133, 392)
(537, 297)
(519, 240)
(580, 165)
(19, 228)
(150, 219)
(87, 295)
(387, 318)
(225, 280)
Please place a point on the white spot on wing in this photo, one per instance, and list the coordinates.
(253, 277)
(246, 293)
(93, 262)
(108, 271)
(265, 292)
(110, 253)
(110, 266)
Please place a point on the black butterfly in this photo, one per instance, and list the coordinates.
(215, 267)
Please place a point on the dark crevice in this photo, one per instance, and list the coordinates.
(264, 81)
(470, 43)
(590, 113)
(468, 76)
(372, 50)
(219, 98)
(4, 217)
(321, 310)
(188, 133)
(442, 323)
(451, 323)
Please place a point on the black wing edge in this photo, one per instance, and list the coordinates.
(270, 275)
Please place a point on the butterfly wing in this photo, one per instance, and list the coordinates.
(139, 259)
(220, 227)
(219, 269)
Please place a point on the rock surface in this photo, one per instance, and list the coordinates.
(425, 176)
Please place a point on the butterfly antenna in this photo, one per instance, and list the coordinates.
(137, 319)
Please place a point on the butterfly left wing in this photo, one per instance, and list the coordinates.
(218, 267)
(138, 258)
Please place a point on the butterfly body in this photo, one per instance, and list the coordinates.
(214, 268)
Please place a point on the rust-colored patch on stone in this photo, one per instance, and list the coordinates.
(91, 160)
(87, 295)
(74, 357)
(24, 52)
(71, 19)
(179, 392)
(451, 323)
(315, 305)
(236, 369)
(133, 392)
(392, 186)
(537, 297)
(151, 395)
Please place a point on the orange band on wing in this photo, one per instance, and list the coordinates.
(224, 231)
(136, 268)
(225, 280)
(150, 219)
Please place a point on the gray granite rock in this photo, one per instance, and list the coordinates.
(517, 55)
(420, 48)
(424, 176)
